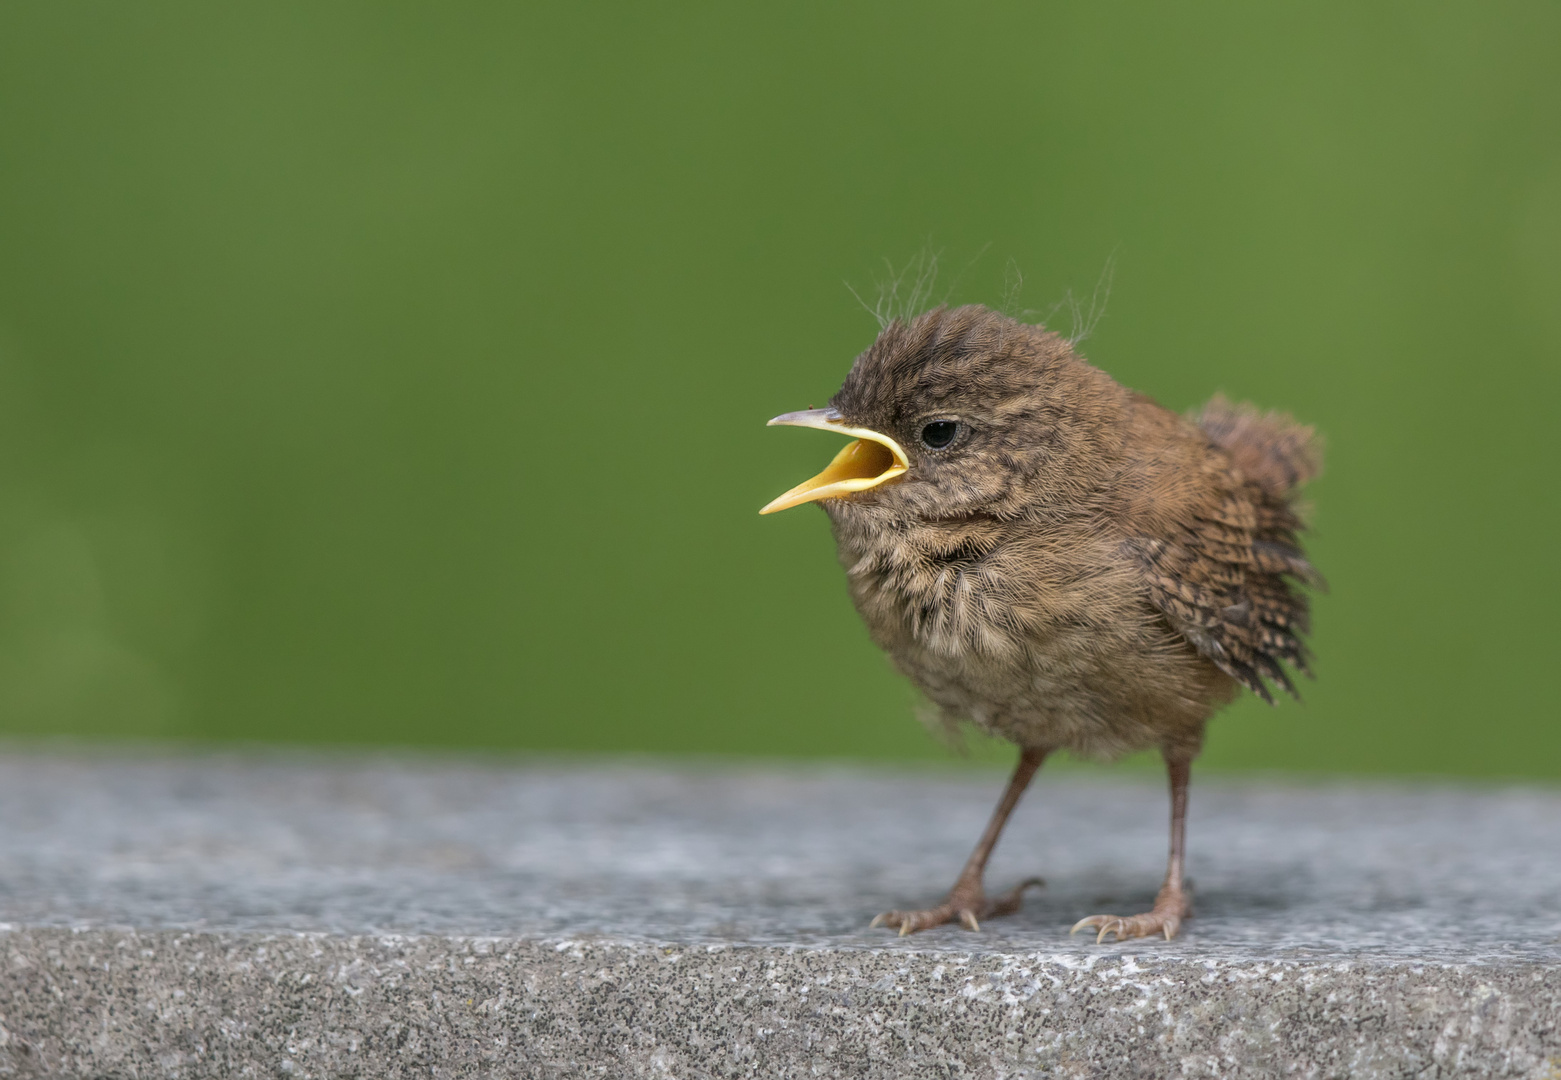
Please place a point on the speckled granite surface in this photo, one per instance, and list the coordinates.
(215, 915)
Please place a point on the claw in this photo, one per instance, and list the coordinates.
(964, 904)
(1107, 924)
(1167, 917)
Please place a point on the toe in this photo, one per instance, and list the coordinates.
(924, 920)
(1109, 924)
(894, 920)
(965, 904)
(1092, 921)
(909, 922)
(1011, 901)
(1137, 926)
(890, 919)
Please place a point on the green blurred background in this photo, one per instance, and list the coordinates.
(398, 373)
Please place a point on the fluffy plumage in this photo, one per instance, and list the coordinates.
(1080, 568)
(1083, 569)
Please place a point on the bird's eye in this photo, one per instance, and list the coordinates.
(939, 433)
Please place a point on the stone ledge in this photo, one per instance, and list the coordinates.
(215, 915)
(120, 1003)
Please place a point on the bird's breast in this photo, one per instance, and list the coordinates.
(950, 596)
(1027, 635)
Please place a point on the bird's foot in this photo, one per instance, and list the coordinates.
(1170, 908)
(967, 904)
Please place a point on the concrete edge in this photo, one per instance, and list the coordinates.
(196, 1004)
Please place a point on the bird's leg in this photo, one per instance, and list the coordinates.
(1173, 904)
(967, 900)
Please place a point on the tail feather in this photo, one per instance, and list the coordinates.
(1271, 448)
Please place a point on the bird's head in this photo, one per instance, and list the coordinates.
(960, 412)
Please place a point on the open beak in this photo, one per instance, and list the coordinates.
(865, 463)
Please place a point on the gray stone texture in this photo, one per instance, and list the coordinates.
(292, 915)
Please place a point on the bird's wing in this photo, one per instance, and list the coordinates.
(1227, 582)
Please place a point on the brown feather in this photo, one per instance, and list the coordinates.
(1082, 568)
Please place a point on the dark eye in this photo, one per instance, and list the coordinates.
(939, 433)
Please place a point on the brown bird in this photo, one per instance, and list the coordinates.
(1060, 560)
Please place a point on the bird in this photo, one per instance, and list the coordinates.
(1062, 561)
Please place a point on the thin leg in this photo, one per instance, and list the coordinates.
(1172, 904)
(967, 900)
(1180, 772)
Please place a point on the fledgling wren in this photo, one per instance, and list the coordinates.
(1060, 560)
